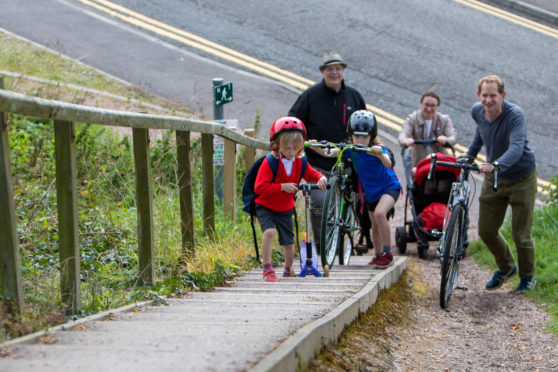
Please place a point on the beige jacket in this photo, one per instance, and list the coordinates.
(415, 127)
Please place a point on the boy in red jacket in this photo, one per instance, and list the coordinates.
(275, 202)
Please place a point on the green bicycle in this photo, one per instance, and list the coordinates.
(339, 223)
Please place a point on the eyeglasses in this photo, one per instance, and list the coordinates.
(335, 68)
(430, 105)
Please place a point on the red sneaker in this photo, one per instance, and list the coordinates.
(373, 261)
(384, 261)
(269, 276)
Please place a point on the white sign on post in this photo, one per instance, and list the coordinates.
(219, 142)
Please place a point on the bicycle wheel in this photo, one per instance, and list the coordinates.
(330, 226)
(452, 245)
(345, 245)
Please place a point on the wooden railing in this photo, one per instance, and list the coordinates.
(64, 116)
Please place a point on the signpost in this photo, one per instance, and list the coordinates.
(222, 93)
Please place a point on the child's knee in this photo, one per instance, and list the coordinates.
(380, 214)
(269, 234)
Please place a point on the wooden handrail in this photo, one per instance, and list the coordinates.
(65, 115)
(50, 109)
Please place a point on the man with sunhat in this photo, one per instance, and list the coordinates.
(325, 108)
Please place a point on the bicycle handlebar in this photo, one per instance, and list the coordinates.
(463, 163)
(427, 142)
(308, 187)
(341, 146)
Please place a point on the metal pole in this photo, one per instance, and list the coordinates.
(218, 114)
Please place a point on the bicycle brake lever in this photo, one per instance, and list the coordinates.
(496, 172)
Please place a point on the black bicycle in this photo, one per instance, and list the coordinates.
(452, 249)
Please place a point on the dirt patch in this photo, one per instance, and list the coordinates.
(408, 331)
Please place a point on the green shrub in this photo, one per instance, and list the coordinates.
(107, 223)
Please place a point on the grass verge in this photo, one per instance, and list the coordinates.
(545, 231)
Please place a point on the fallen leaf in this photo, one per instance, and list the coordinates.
(5, 353)
(79, 328)
(515, 327)
(46, 339)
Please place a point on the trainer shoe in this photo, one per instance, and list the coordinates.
(269, 276)
(384, 261)
(287, 273)
(526, 284)
(499, 278)
(373, 261)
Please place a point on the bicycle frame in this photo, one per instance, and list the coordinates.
(338, 218)
(451, 250)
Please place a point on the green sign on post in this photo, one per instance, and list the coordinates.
(223, 94)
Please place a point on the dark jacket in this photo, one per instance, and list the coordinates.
(325, 114)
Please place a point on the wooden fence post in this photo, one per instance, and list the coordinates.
(10, 271)
(249, 152)
(229, 193)
(185, 192)
(66, 199)
(144, 205)
(208, 187)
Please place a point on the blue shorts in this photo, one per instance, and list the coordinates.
(281, 221)
(394, 193)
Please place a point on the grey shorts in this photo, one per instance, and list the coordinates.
(281, 221)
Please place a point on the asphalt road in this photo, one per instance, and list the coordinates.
(395, 50)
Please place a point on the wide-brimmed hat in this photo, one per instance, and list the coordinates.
(332, 58)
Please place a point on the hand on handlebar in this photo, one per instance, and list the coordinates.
(442, 140)
(289, 187)
(322, 148)
(322, 183)
(408, 142)
(376, 150)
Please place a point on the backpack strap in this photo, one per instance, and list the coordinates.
(303, 166)
(273, 164)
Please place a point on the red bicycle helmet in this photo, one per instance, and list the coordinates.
(284, 124)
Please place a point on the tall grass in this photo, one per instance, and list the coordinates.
(107, 224)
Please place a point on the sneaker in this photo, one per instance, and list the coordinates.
(384, 261)
(373, 261)
(288, 273)
(499, 278)
(269, 276)
(526, 284)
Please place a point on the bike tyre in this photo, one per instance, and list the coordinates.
(346, 236)
(452, 245)
(330, 224)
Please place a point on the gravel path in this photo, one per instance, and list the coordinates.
(481, 331)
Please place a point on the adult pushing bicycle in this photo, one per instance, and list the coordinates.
(452, 247)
